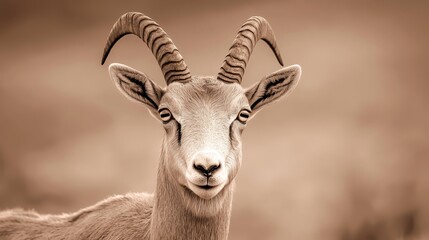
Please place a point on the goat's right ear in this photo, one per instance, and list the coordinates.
(136, 86)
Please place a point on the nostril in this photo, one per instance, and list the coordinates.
(212, 168)
(206, 171)
(200, 168)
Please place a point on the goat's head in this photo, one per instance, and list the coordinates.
(203, 116)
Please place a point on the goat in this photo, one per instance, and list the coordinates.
(203, 118)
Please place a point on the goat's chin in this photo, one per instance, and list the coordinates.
(206, 192)
(206, 202)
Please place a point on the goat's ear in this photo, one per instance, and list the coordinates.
(273, 87)
(136, 86)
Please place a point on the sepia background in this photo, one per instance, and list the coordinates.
(345, 157)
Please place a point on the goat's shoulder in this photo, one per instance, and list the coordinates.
(115, 217)
(122, 215)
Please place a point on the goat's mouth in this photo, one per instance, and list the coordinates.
(205, 191)
(206, 187)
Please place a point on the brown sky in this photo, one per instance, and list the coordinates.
(345, 157)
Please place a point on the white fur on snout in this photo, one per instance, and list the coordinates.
(218, 179)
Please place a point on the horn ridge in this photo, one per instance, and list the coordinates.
(253, 30)
(156, 39)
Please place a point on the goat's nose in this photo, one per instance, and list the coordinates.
(206, 163)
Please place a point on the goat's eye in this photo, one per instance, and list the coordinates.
(165, 115)
(243, 115)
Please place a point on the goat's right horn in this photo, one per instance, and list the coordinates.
(169, 59)
(254, 29)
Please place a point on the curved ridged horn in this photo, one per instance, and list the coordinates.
(254, 29)
(169, 59)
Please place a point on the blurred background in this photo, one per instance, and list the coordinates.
(345, 157)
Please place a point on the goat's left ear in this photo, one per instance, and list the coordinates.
(273, 87)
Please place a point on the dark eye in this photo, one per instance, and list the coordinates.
(165, 115)
(243, 115)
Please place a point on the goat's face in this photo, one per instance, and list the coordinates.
(203, 116)
(203, 120)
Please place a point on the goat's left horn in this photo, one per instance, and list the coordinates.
(169, 59)
(254, 29)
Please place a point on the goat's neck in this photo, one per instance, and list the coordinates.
(172, 220)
